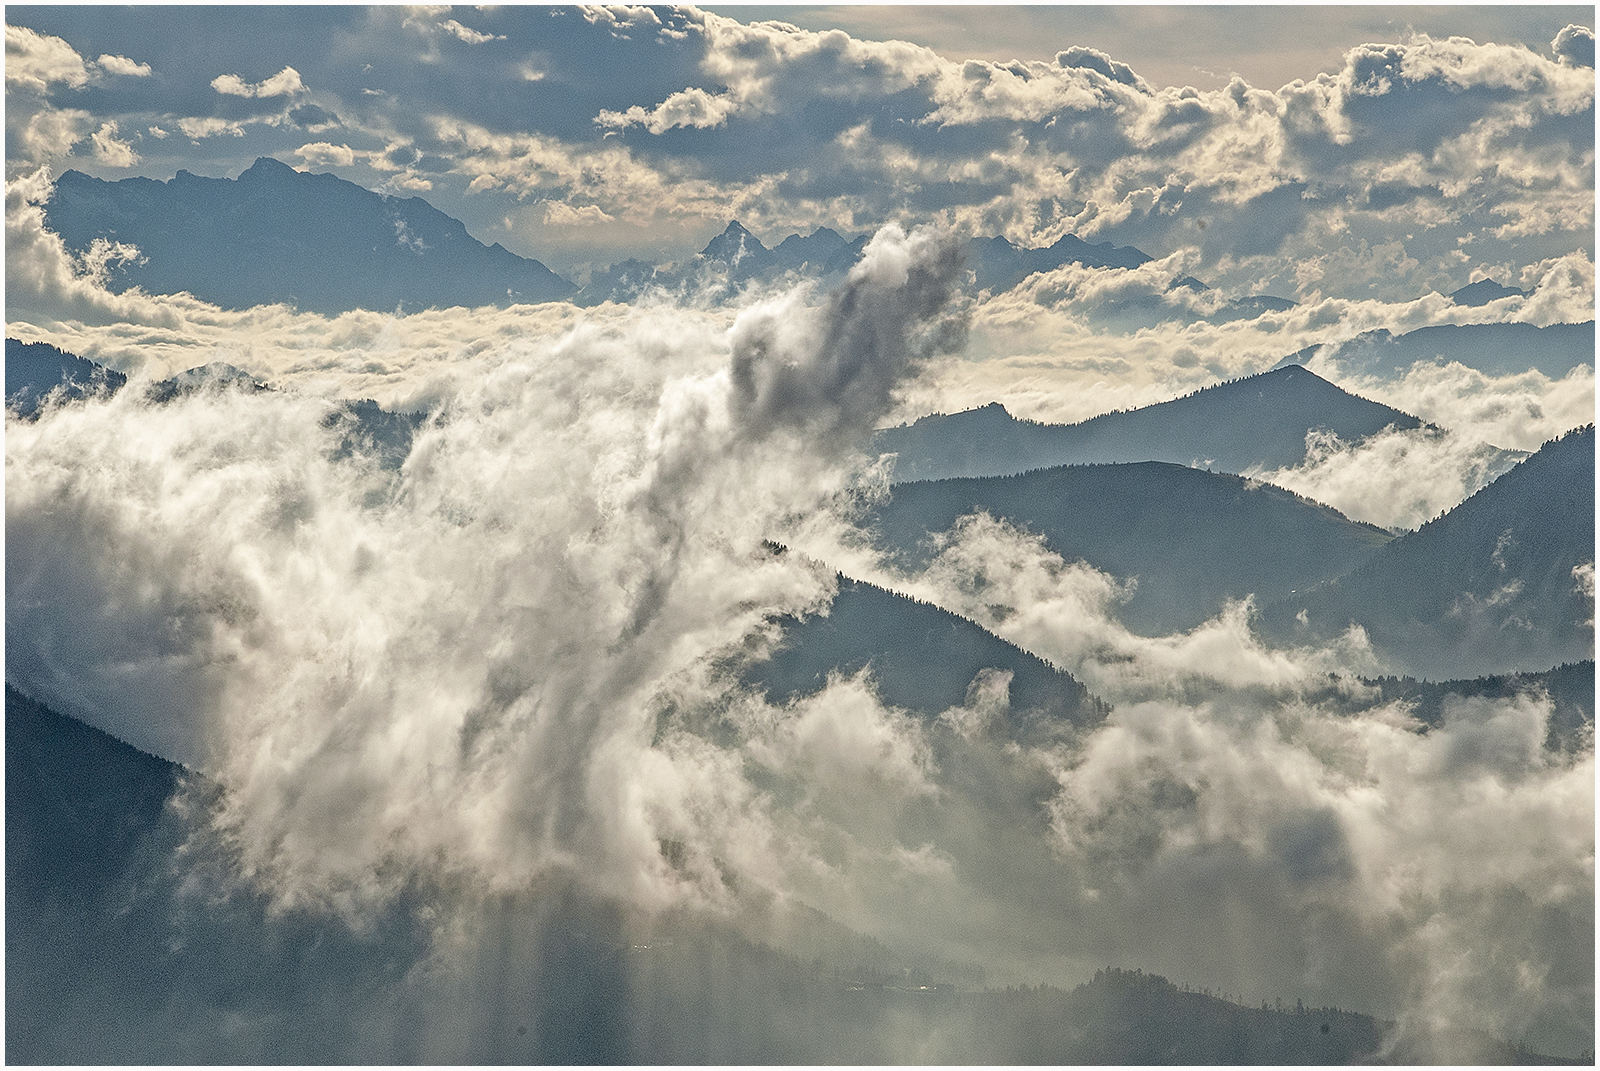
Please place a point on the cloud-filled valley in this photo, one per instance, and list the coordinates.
(755, 650)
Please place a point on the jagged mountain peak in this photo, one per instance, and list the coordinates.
(733, 245)
(276, 235)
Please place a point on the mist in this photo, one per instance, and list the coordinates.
(494, 692)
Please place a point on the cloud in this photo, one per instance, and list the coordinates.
(562, 214)
(502, 661)
(1373, 180)
(1575, 45)
(410, 180)
(684, 462)
(1396, 479)
(1519, 412)
(209, 127)
(283, 84)
(1563, 292)
(693, 107)
(51, 133)
(607, 176)
(836, 370)
(324, 154)
(1094, 60)
(42, 275)
(35, 61)
(618, 16)
(1222, 754)
(123, 67)
(470, 36)
(109, 150)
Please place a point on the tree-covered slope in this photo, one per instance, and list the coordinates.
(34, 369)
(1496, 585)
(922, 658)
(1192, 538)
(1258, 421)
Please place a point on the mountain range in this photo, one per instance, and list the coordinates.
(1494, 349)
(1259, 422)
(1487, 588)
(326, 245)
(1191, 538)
(275, 234)
(1496, 585)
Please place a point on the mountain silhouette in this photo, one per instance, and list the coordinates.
(34, 369)
(998, 265)
(275, 234)
(1489, 587)
(922, 657)
(736, 258)
(1260, 421)
(1484, 291)
(1495, 349)
(1192, 538)
(1569, 687)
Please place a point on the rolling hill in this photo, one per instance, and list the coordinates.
(1258, 421)
(1192, 538)
(1493, 586)
(275, 234)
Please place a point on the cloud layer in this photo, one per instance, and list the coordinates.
(504, 660)
(1415, 165)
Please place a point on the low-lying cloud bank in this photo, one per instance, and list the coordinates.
(506, 661)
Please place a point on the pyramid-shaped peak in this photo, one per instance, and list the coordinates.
(1484, 291)
(268, 167)
(733, 244)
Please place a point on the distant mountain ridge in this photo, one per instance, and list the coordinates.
(323, 244)
(1495, 349)
(1259, 422)
(275, 234)
(1192, 538)
(1493, 586)
(736, 259)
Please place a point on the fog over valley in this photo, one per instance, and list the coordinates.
(640, 535)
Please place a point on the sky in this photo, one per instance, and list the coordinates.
(1275, 149)
(461, 668)
(1199, 45)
